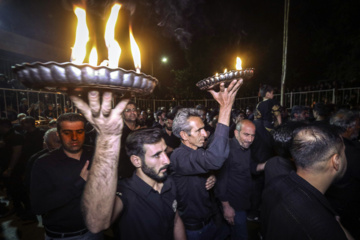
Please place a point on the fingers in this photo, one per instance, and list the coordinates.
(82, 106)
(94, 103)
(84, 169)
(120, 107)
(106, 103)
(235, 85)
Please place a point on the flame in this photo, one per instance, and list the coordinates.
(82, 37)
(135, 51)
(216, 74)
(225, 70)
(238, 64)
(93, 58)
(113, 46)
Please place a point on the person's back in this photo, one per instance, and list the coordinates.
(294, 205)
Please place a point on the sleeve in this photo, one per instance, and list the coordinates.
(275, 109)
(222, 181)
(45, 196)
(202, 161)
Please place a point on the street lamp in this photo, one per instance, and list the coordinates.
(164, 59)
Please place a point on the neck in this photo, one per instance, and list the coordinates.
(76, 156)
(130, 124)
(317, 180)
(168, 131)
(157, 186)
(186, 143)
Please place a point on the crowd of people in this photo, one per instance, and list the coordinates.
(186, 173)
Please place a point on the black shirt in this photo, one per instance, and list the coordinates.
(191, 168)
(171, 141)
(147, 214)
(234, 181)
(56, 190)
(11, 139)
(266, 111)
(294, 209)
(126, 168)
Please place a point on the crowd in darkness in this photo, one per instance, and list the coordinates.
(260, 162)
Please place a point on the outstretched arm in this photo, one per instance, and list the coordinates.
(226, 97)
(99, 205)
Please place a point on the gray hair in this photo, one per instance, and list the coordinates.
(241, 122)
(48, 133)
(344, 119)
(181, 121)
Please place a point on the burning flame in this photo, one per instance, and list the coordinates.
(135, 51)
(93, 58)
(113, 46)
(82, 37)
(216, 74)
(238, 64)
(225, 71)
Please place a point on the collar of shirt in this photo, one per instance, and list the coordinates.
(142, 188)
(237, 144)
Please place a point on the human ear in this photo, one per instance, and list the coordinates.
(335, 161)
(184, 136)
(136, 161)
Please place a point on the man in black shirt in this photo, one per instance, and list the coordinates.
(171, 140)
(294, 206)
(234, 181)
(146, 201)
(192, 164)
(58, 179)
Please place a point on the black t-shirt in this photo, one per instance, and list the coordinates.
(147, 214)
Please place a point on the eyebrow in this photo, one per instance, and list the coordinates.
(157, 153)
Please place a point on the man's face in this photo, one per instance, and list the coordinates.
(72, 136)
(130, 113)
(198, 134)
(246, 135)
(300, 117)
(156, 161)
(168, 124)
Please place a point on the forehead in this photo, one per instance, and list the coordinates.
(195, 123)
(151, 149)
(68, 125)
(130, 106)
(248, 128)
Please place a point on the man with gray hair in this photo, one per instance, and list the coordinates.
(344, 195)
(192, 164)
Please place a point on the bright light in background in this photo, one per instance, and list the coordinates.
(164, 59)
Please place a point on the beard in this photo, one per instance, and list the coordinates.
(151, 173)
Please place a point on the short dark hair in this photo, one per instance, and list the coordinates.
(296, 109)
(136, 140)
(71, 117)
(315, 143)
(28, 119)
(321, 109)
(344, 119)
(264, 89)
(283, 136)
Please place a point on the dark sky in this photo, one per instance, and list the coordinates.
(324, 36)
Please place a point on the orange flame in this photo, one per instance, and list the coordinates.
(135, 51)
(82, 37)
(225, 70)
(238, 64)
(114, 50)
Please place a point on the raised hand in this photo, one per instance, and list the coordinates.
(105, 120)
(226, 96)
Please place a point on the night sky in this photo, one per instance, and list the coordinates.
(202, 37)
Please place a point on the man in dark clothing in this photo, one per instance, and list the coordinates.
(160, 119)
(58, 179)
(294, 206)
(344, 195)
(234, 181)
(145, 203)
(126, 169)
(171, 140)
(192, 164)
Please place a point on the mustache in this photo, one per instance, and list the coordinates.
(164, 167)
